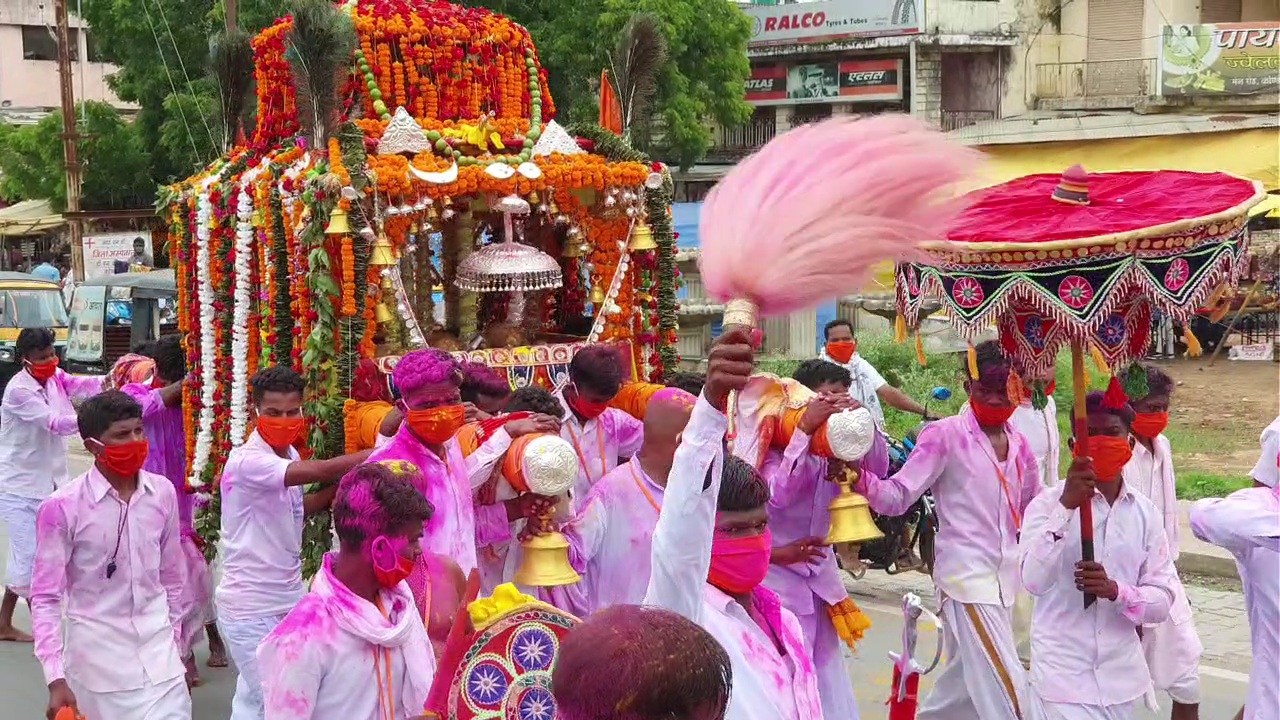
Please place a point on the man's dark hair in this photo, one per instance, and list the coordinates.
(1158, 381)
(374, 500)
(741, 487)
(817, 372)
(138, 240)
(171, 359)
(993, 368)
(33, 340)
(670, 666)
(277, 378)
(480, 379)
(100, 412)
(687, 381)
(534, 399)
(826, 329)
(595, 368)
(1093, 403)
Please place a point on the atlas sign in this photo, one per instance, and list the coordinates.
(832, 20)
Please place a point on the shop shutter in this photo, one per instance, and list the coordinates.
(1219, 11)
(1115, 30)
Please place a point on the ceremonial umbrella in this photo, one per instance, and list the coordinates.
(1081, 260)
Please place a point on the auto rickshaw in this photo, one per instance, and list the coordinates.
(113, 314)
(27, 301)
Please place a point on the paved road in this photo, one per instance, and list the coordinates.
(23, 694)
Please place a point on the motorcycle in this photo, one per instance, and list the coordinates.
(908, 542)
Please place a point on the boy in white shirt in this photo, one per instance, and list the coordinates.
(108, 552)
(263, 508)
(1087, 663)
(355, 647)
(1172, 648)
(711, 552)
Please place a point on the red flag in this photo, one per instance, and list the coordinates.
(610, 110)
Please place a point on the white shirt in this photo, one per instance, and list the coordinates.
(867, 382)
(978, 512)
(35, 422)
(122, 631)
(1267, 471)
(1094, 656)
(1040, 428)
(1151, 475)
(767, 685)
(261, 534)
(1247, 523)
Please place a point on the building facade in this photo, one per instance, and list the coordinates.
(29, 86)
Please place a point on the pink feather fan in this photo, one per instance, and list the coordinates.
(805, 218)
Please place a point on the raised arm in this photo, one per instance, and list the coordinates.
(894, 495)
(793, 472)
(79, 386)
(1245, 519)
(686, 525)
(28, 407)
(306, 472)
(1046, 525)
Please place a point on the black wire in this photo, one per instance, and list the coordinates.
(120, 525)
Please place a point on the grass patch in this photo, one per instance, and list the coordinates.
(1196, 485)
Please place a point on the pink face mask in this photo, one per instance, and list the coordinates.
(738, 565)
(390, 566)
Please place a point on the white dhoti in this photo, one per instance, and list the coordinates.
(981, 678)
(19, 515)
(242, 638)
(168, 700)
(835, 689)
(1071, 711)
(1173, 652)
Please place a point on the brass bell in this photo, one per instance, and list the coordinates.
(338, 224)
(851, 519)
(384, 254)
(641, 238)
(545, 562)
(382, 314)
(597, 295)
(572, 249)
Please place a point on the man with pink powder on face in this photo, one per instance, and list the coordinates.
(428, 381)
(355, 647)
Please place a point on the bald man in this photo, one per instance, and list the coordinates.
(610, 537)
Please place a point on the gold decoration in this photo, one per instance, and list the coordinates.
(384, 253)
(851, 514)
(641, 238)
(338, 224)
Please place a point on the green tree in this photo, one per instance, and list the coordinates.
(703, 80)
(115, 164)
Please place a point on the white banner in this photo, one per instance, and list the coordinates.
(88, 314)
(102, 251)
(816, 22)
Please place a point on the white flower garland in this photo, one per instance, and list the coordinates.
(241, 305)
(208, 346)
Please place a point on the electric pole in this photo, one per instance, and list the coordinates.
(69, 136)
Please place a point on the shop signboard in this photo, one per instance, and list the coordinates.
(1222, 59)
(102, 251)
(827, 82)
(818, 22)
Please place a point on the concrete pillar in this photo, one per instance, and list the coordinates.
(926, 86)
(803, 335)
(782, 121)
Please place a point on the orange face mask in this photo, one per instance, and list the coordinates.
(280, 432)
(1110, 455)
(1150, 425)
(436, 425)
(842, 350)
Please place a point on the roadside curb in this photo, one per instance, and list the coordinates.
(1208, 565)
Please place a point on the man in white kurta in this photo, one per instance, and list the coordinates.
(982, 495)
(600, 434)
(1267, 470)
(1173, 647)
(1040, 428)
(1247, 523)
(1087, 663)
(773, 676)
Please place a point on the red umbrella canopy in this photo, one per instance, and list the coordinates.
(1052, 259)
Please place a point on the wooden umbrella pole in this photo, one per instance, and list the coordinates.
(1080, 423)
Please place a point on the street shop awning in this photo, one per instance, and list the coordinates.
(29, 217)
